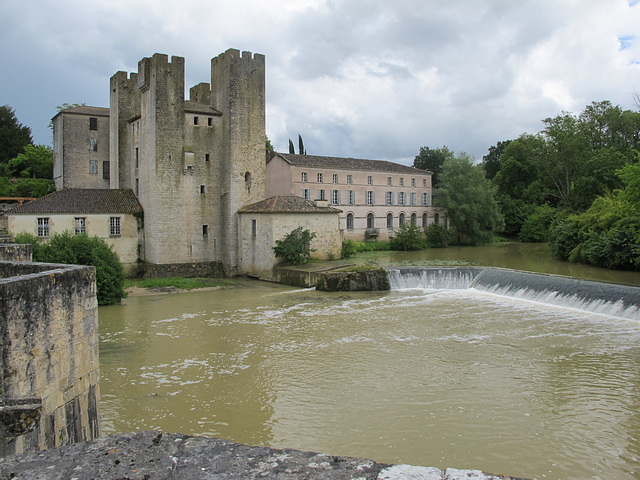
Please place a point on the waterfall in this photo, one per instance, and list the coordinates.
(596, 297)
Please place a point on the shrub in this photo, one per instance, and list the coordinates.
(349, 249)
(438, 236)
(536, 227)
(295, 246)
(82, 250)
(408, 237)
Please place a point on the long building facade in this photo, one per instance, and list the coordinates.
(375, 197)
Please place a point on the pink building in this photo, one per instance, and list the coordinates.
(375, 196)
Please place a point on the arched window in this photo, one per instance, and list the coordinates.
(436, 218)
(247, 180)
(370, 219)
(389, 220)
(349, 221)
(414, 219)
(425, 220)
(401, 219)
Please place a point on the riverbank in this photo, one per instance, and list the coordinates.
(154, 455)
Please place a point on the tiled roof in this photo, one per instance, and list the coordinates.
(286, 204)
(193, 107)
(86, 110)
(315, 161)
(82, 200)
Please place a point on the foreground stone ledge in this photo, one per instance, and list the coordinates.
(153, 455)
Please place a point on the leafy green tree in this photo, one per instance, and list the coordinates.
(82, 250)
(438, 236)
(491, 160)
(295, 246)
(536, 226)
(432, 160)
(268, 145)
(35, 162)
(13, 135)
(469, 199)
(408, 237)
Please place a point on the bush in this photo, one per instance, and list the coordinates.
(408, 237)
(438, 236)
(536, 227)
(82, 250)
(295, 246)
(349, 249)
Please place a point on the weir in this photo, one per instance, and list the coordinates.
(595, 297)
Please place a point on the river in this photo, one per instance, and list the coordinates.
(443, 378)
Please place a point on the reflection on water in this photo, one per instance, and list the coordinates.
(437, 378)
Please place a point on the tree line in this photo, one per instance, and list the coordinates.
(575, 184)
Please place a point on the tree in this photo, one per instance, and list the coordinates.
(301, 149)
(432, 160)
(469, 200)
(35, 162)
(491, 160)
(408, 237)
(268, 145)
(292, 150)
(13, 135)
(82, 250)
(295, 246)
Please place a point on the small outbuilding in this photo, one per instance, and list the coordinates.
(264, 222)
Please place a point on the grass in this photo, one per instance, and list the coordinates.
(179, 282)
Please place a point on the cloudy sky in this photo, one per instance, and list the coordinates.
(356, 78)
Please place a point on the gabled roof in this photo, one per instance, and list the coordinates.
(194, 107)
(286, 204)
(314, 161)
(82, 201)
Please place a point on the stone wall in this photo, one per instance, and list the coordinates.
(15, 253)
(49, 390)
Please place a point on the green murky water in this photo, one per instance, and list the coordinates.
(442, 378)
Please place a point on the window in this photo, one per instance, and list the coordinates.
(254, 228)
(306, 194)
(436, 218)
(209, 121)
(401, 219)
(93, 144)
(207, 157)
(335, 178)
(114, 226)
(413, 182)
(335, 197)
(319, 178)
(352, 197)
(369, 180)
(137, 155)
(424, 182)
(402, 182)
(203, 189)
(106, 173)
(413, 199)
(370, 220)
(388, 198)
(425, 199)
(303, 177)
(349, 221)
(414, 219)
(389, 181)
(93, 123)
(205, 230)
(137, 187)
(402, 199)
(424, 220)
(80, 225)
(43, 227)
(321, 194)
(389, 220)
(349, 179)
(93, 167)
(195, 120)
(371, 197)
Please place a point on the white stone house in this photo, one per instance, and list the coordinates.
(264, 222)
(375, 196)
(114, 215)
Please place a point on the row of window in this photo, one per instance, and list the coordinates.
(335, 179)
(401, 220)
(390, 197)
(93, 169)
(80, 226)
(196, 121)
